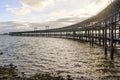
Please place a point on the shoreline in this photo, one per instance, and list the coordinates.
(10, 72)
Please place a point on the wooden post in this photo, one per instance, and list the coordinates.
(105, 40)
(109, 33)
(103, 33)
(99, 36)
(111, 44)
(88, 36)
(92, 36)
(119, 33)
(90, 39)
(74, 33)
(60, 35)
(85, 35)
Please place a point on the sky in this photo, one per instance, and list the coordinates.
(24, 15)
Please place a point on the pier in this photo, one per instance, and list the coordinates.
(102, 29)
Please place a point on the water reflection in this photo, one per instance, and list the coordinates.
(104, 68)
(32, 55)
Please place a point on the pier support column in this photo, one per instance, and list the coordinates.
(119, 35)
(92, 37)
(88, 36)
(99, 36)
(112, 40)
(74, 34)
(60, 34)
(103, 32)
(105, 40)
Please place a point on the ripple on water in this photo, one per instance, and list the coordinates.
(62, 56)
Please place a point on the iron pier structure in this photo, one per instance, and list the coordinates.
(102, 29)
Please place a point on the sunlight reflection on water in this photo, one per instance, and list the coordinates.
(32, 55)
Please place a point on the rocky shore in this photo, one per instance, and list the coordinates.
(10, 72)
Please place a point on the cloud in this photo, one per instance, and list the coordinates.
(59, 13)
(37, 5)
(77, 13)
(11, 26)
(28, 5)
(60, 17)
(73, 16)
(56, 23)
(96, 7)
(64, 0)
(19, 11)
(71, 20)
(82, 13)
